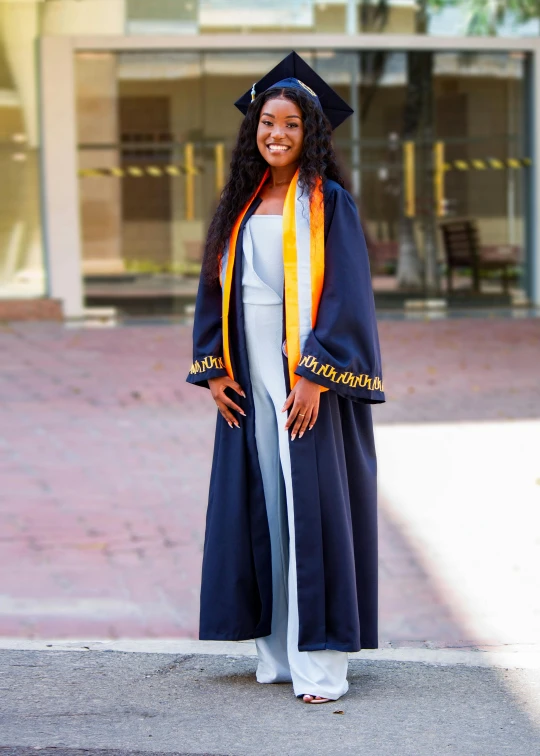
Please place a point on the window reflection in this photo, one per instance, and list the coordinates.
(156, 132)
(21, 258)
(329, 16)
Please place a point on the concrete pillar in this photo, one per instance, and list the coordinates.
(95, 84)
(59, 173)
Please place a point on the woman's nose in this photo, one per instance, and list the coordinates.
(278, 132)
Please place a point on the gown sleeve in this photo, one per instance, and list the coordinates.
(342, 351)
(207, 335)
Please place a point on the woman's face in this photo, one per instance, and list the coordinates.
(280, 134)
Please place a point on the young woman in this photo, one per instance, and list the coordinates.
(285, 337)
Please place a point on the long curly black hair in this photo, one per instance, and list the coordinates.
(248, 166)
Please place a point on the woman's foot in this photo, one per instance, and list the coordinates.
(307, 698)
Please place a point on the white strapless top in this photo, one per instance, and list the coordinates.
(262, 278)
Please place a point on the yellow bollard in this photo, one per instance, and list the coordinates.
(409, 180)
(438, 178)
(189, 180)
(219, 151)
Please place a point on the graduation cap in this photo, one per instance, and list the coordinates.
(295, 73)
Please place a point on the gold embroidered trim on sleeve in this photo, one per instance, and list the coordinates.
(207, 363)
(353, 380)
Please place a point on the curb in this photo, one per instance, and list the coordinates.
(526, 656)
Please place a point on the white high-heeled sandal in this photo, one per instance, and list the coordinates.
(315, 699)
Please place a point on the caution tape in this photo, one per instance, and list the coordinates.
(487, 163)
(137, 171)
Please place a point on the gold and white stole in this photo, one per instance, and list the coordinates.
(303, 264)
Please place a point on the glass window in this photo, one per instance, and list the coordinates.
(444, 176)
(436, 139)
(277, 16)
(327, 16)
(162, 16)
(479, 107)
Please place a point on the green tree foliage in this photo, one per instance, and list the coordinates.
(484, 17)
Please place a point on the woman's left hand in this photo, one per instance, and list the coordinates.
(304, 401)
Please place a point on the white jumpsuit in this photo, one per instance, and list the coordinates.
(318, 673)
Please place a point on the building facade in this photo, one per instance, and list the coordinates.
(117, 124)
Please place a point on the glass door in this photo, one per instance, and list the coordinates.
(444, 177)
(156, 132)
(434, 157)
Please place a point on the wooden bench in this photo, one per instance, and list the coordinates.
(462, 246)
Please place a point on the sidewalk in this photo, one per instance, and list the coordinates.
(104, 463)
(70, 703)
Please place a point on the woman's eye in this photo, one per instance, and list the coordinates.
(267, 123)
(294, 125)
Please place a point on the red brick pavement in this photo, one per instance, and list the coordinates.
(105, 456)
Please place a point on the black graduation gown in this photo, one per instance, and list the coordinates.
(333, 466)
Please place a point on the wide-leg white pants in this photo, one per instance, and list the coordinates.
(318, 673)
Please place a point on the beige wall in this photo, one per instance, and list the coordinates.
(83, 17)
(97, 123)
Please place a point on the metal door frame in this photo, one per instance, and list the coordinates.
(60, 191)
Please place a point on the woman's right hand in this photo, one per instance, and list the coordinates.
(224, 404)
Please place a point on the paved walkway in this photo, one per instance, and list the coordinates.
(104, 462)
(84, 703)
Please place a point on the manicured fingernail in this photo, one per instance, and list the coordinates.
(292, 438)
(301, 434)
(230, 425)
(243, 395)
(237, 425)
(310, 427)
(242, 413)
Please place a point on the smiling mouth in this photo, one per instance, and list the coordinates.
(278, 147)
